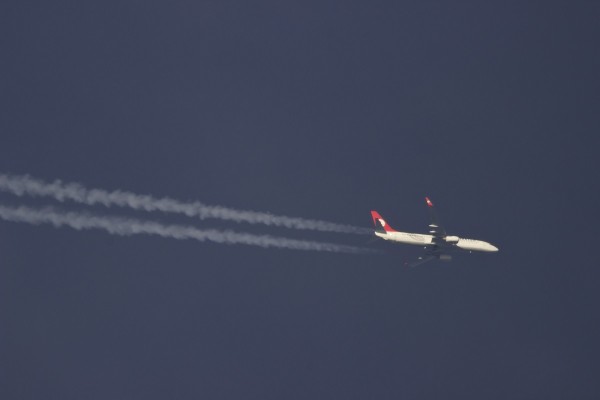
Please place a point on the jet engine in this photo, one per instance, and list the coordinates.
(452, 239)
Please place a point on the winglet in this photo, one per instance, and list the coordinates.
(380, 223)
(429, 203)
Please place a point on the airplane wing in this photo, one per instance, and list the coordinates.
(431, 253)
(435, 229)
(419, 261)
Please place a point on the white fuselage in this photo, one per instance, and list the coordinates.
(420, 239)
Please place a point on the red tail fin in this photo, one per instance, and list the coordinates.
(380, 223)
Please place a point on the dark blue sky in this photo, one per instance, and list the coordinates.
(321, 110)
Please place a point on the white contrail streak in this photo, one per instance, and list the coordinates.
(21, 185)
(128, 227)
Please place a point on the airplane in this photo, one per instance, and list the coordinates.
(437, 243)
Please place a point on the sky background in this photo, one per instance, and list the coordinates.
(322, 110)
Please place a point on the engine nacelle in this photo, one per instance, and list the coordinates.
(452, 239)
(445, 257)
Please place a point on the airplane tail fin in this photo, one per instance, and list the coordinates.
(380, 224)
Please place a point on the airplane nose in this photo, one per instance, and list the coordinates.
(493, 248)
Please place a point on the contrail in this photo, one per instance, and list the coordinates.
(21, 185)
(128, 227)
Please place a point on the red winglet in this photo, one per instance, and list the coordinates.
(429, 203)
